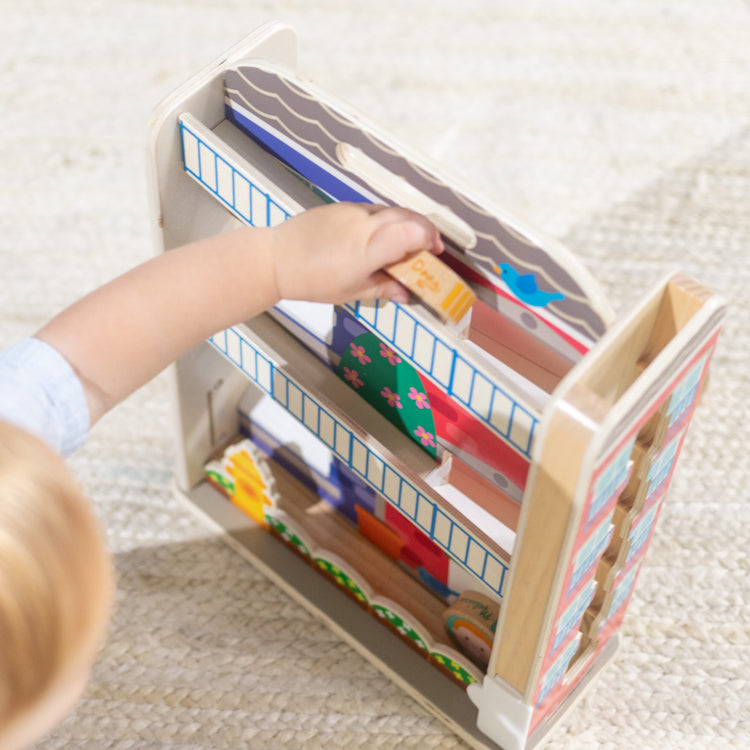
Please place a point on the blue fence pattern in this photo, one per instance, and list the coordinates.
(497, 409)
(215, 172)
(459, 378)
(447, 533)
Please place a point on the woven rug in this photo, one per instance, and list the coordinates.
(622, 129)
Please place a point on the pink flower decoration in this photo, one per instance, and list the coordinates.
(426, 437)
(389, 354)
(353, 377)
(358, 352)
(393, 398)
(420, 399)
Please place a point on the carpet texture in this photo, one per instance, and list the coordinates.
(622, 129)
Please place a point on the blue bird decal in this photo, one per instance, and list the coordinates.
(524, 286)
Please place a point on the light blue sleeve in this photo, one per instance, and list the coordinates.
(41, 393)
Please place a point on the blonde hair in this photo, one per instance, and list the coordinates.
(55, 575)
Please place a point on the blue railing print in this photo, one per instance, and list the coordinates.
(459, 378)
(208, 160)
(445, 531)
(248, 200)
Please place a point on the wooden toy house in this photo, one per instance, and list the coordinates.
(470, 499)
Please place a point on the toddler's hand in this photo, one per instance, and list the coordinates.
(336, 253)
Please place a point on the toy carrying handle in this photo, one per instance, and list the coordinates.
(423, 274)
(398, 190)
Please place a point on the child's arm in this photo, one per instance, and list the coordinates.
(120, 336)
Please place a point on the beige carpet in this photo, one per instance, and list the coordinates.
(622, 128)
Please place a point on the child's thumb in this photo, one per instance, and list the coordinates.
(400, 236)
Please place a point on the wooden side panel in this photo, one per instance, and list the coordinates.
(546, 516)
(609, 444)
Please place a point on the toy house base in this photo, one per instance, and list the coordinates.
(570, 417)
(360, 630)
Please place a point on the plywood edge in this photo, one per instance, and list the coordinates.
(545, 527)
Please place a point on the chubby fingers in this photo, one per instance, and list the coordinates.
(405, 239)
(399, 232)
(382, 286)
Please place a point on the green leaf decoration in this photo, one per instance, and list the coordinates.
(342, 578)
(290, 536)
(458, 671)
(221, 479)
(400, 624)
